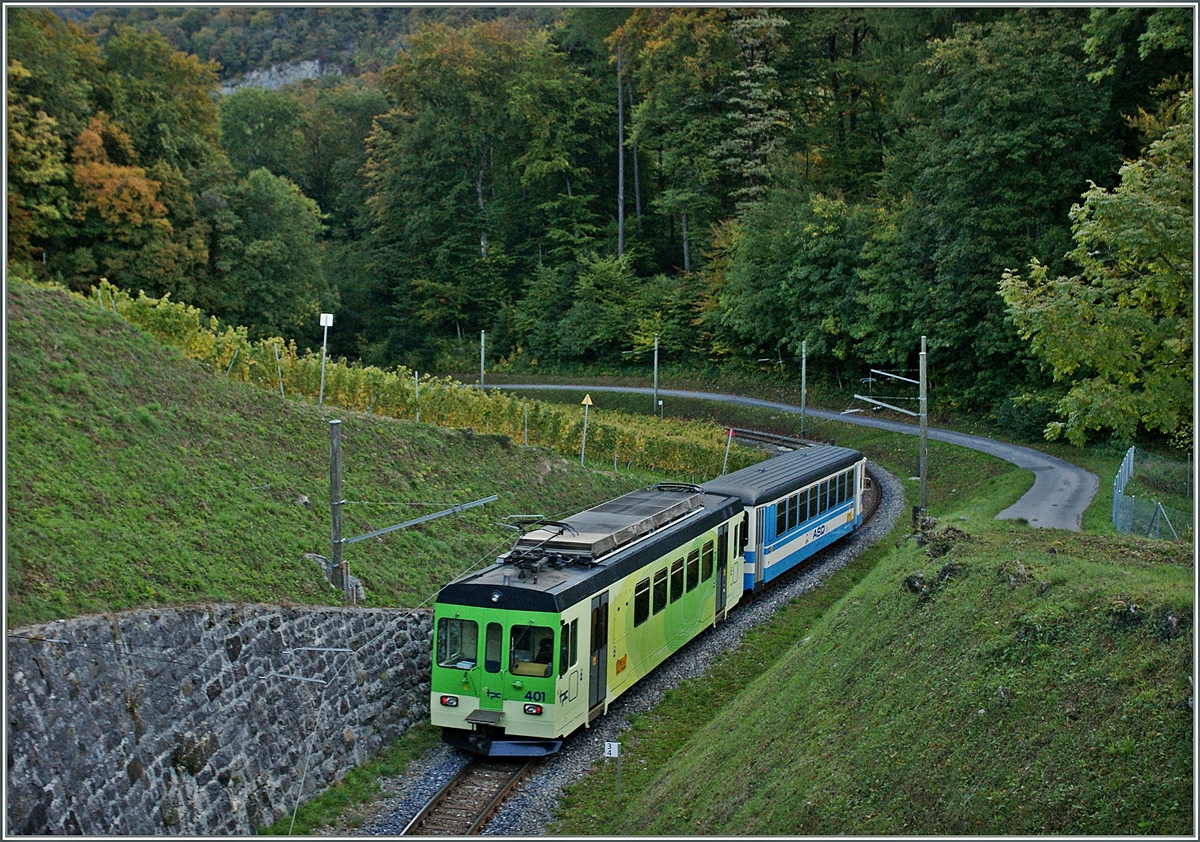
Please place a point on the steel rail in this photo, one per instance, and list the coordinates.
(464, 805)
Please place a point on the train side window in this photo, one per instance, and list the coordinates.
(676, 579)
(531, 651)
(841, 488)
(793, 511)
(457, 643)
(660, 590)
(693, 570)
(491, 647)
(745, 533)
(641, 602)
(780, 518)
(807, 503)
(822, 497)
(706, 562)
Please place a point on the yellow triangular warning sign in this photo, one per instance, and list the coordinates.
(587, 400)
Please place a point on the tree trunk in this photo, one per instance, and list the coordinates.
(637, 187)
(479, 195)
(687, 261)
(620, 161)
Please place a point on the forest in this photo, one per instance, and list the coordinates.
(1014, 183)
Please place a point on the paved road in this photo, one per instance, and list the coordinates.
(1060, 493)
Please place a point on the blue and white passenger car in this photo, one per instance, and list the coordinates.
(795, 504)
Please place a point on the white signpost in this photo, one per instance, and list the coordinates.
(612, 749)
(326, 323)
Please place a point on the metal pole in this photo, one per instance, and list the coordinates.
(481, 337)
(583, 449)
(279, 370)
(525, 413)
(924, 456)
(728, 441)
(655, 370)
(417, 394)
(803, 382)
(335, 505)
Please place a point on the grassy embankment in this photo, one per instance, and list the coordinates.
(139, 478)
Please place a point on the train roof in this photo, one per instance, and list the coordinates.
(559, 564)
(773, 478)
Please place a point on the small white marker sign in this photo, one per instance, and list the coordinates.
(612, 749)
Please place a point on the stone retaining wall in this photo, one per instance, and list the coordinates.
(204, 720)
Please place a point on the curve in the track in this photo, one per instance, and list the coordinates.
(1060, 493)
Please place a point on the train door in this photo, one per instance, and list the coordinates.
(760, 563)
(722, 568)
(491, 696)
(598, 659)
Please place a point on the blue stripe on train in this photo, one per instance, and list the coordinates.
(781, 564)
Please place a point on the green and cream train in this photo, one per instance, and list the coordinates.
(538, 644)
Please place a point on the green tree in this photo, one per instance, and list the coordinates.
(274, 284)
(1120, 334)
(757, 122)
(165, 100)
(683, 58)
(263, 129)
(598, 324)
(1001, 130)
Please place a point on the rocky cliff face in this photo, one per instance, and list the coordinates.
(279, 75)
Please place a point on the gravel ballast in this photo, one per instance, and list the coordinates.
(531, 809)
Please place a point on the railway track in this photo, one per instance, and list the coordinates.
(772, 440)
(463, 806)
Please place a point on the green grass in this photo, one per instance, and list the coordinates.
(137, 478)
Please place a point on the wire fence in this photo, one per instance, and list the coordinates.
(1144, 490)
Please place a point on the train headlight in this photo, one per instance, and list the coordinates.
(496, 596)
(533, 710)
(450, 701)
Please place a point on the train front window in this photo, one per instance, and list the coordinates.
(457, 643)
(531, 651)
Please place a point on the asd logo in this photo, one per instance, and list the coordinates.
(819, 531)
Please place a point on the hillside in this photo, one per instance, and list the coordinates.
(997, 680)
(137, 478)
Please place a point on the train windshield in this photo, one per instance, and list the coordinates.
(457, 643)
(531, 651)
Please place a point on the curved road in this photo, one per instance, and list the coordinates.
(1060, 493)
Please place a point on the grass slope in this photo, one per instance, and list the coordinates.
(997, 680)
(137, 478)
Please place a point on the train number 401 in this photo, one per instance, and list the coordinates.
(535, 696)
